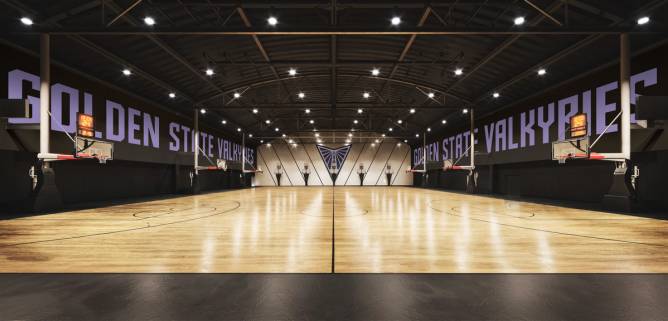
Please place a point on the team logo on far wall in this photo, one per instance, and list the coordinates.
(333, 156)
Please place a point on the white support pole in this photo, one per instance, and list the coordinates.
(196, 143)
(243, 152)
(44, 94)
(472, 142)
(625, 91)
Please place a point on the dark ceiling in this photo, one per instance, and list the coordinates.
(333, 69)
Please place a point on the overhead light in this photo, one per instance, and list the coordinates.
(359, 110)
(238, 129)
(26, 21)
(209, 72)
(319, 140)
(268, 145)
(316, 135)
(292, 71)
(412, 110)
(355, 121)
(377, 141)
(542, 72)
(272, 21)
(127, 72)
(261, 141)
(348, 141)
(465, 111)
(390, 129)
(373, 144)
(250, 135)
(350, 135)
(291, 141)
(308, 111)
(405, 140)
(496, 95)
(311, 121)
(267, 121)
(301, 95)
(366, 95)
(430, 95)
(223, 121)
(149, 21)
(428, 129)
(172, 95)
(276, 129)
(237, 95)
(444, 121)
(519, 21)
(383, 135)
(400, 121)
(255, 111)
(643, 20)
(459, 71)
(375, 71)
(283, 135)
(398, 144)
(417, 135)
(396, 21)
(202, 111)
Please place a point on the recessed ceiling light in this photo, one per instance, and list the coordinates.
(223, 121)
(237, 95)
(202, 111)
(26, 21)
(459, 71)
(359, 110)
(301, 95)
(430, 95)
(272, 21)
(209, 72)
(127, 72)
(255, 111)
(292, 71)
(396, 21)
(496, 95)
(519, 21)
(149, 21)
(366, 95)
(311, 121)
(444, 121)
(412, 110)
(643, 20)
(542, 72)
(375, 71)
(172, 95)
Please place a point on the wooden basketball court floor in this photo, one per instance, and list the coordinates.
(341, 229)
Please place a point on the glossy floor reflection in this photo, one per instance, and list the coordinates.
(342, 229)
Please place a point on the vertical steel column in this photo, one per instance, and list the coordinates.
(472, 141)
(44, 94)
(424, 151)
(243, 152)
(625, 91)
(196, 143)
